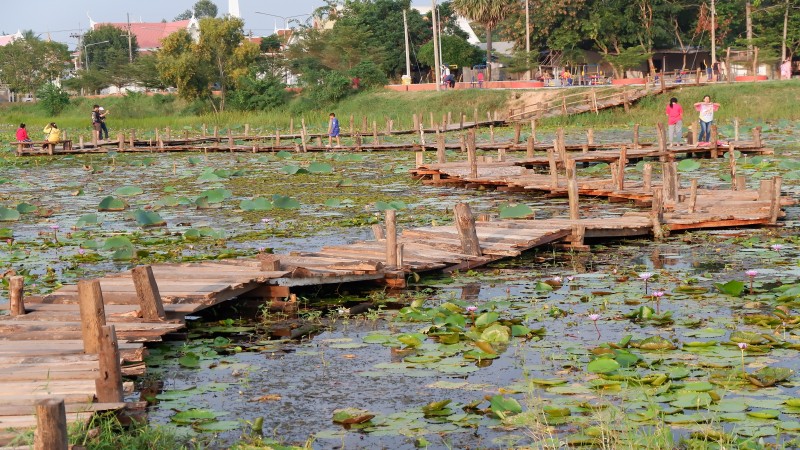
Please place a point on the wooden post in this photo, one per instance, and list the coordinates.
(625, 103)
(623, 160)
(168, 133)
(764, 190)
(269, 263)
(572, 190)
(475, 117)
(391, 237)
(647, 176)
(590, 136)
(757, 136)
(415, 118)
(564, 105)
(133, 138)
(216, 132)
(735, 128)
(80, 141)
(120, 141)
(517, 132)
(491, 134)
(51, 425)
(364, 125)
(471, 154)
(529, 149)
(694, 130)
(400, 249)
(656, 214)
(377, 232)
(533, 130)
(585, 149)
(203, 131)
(662, 139)
(230, 139)
(551, 160)
(440, 155)
(561, 147)
(93, 314)
(150, 302)
(358, 141)
(433, 124)
(693, 196)
(614, 173)
(462, 143)
(636, 136)
(16, 297)
(465, 223)
(697, 78)
(375, 140)
(419, 158)
(159, 142)
(669, 188)
(291, 125)
(732, 163)
(246, 129)
(501, 154)
(303, 135)
(444, 122)
(461, 123)
(663, 81)
(714, 147)
(109, 381)
(741, 183)
(775, 200)
(95, 137)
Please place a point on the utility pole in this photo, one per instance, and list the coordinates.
(408, 54)
(130, 44)
(528, 38)
(713, 32)
(436, 57)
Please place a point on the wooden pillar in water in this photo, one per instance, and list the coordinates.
(168, 134)
(775, 200)
(590, 136)
(93, 314)
(757, 136)
(246, 129)
(230, 140)
(530, 148)
(440, 149)
(636, 136)
(291, 125)
(714, 146)
(517, 132)
(51, 425)
(732, 164)
(216, 132)
(419, 158)
(623, 160)
(657, 214)
(415, 118)
(647, 176)
(472, 156)
(120, 141)
(109, 381)
(693, 197)
(533, 130)
(16, 297)
(465, 223)
(150, 302)
(133, 138)
(572, 190)
(462, 143)
(735, 128)
(391, 238)
(551, 160)
(352, 125)
(203, 131)
(375, 140)
(491, 134)
(364, 125)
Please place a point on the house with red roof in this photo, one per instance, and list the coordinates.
(150, 34)
(9, 38)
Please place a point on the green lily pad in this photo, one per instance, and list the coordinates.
(688, 165)
(148, 219)
(111, 204)
(769, 376)
(285, 202)
(256, 204)
(603, 365)
(515, 212)
(8, 214)
(127, 191)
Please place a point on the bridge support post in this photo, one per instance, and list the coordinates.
(149, 297)
(391, 238)
(465, 223)
(15, 296)
(93, 314)
(51, 425)
(109, 382)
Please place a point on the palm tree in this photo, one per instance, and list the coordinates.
(487, 13)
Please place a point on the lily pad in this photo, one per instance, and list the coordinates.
(8, 215)
(127, 191)
(603, 365)
(111, 204)
(769, 376)
(515, 212)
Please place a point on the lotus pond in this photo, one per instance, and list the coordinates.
(689, 342)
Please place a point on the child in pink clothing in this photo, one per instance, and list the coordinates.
(675, 122)
(22, 134)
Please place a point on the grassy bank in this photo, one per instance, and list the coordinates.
(764, 101)
(148, 112)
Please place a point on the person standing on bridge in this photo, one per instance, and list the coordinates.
(675, 122)
(706, 109)
(333, 130)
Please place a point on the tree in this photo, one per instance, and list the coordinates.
(29, 63)
(488, 13)
(221, 56)
(106, 45)
(201, 9)
(455, 50)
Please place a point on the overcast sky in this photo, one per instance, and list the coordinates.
(60, 18)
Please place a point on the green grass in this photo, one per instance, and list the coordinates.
(145, 113)
(763, 101)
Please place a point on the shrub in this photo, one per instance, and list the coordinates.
(52, 99)
(255, 92)
(369, 73)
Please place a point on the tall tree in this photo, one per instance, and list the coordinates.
(487, 13)
(221, 56)
(29, 63)
(200, 10)
(106, 45)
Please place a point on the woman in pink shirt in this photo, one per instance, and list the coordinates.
(22, 134)
(675, 121)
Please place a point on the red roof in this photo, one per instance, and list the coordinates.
(150, 35)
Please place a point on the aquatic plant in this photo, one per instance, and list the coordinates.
(752, 274)
(595, 318)
(645, 276)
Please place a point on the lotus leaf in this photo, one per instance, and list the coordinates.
(688, 165)
(111, 204)
(515, 212)
(216, 195)
(520, 330)
(503, 406)
(496, 333)
(435, 406)
(194, 415)
(209, 177)
(333, 202)
(556, 411)
(486, 319)
(410, 340)
(8, 215)
(148, 219)
(350, 416)
(747, 337)
(656, 343)
(283, 154)
(217, 426)
(603, 365)
(733, 288)
(189, 360)
(764, 414)
(256, 204)
(126, 191)
(769, 376)
(86, 219)
(293, 170)
(395, 204)
(26, 208)
(6, 233)
(116, 243)
(320, 167)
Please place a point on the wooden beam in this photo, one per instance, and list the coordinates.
(16, 297)
(150, 302)
(51, 425)
(93, 314)
(572, 190)
(109, 381)
(391, 238)
(465, 223)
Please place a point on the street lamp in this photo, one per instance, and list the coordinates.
(86, 46)
(285, 18)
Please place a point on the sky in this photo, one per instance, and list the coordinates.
(61, 18)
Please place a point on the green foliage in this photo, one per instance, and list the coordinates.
(27, 64)
(107, 45)
(369, 73)
(257, 93)
(52, 99)
(326, 87)
(201, 9)
(628, 58)
(455, 50)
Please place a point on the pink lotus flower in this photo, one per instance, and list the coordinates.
(645, 276)
(595, 318)
(751, 273)
(81, 251)
(472, 309)
(742, 345)
(777, 247)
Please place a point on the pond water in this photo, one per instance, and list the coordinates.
(593, 357)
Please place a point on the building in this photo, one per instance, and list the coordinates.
(9, 38)
(150, 34)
